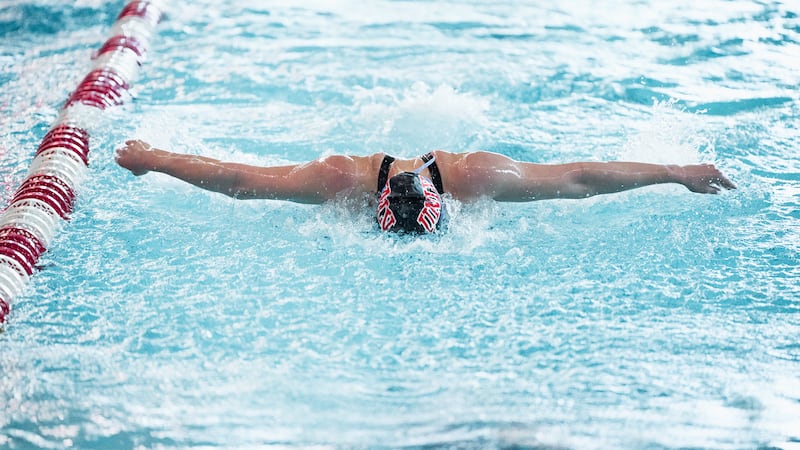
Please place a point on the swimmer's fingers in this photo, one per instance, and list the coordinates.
(705, 179)
(136, 144)
(718, 181)
(725, 182)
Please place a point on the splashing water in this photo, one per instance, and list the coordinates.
(170, 317)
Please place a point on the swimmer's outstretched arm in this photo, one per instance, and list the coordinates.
(313, 182)
(504, 179)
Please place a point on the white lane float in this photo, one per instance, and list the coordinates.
(47, 195)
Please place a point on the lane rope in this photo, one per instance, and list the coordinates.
(47, 195)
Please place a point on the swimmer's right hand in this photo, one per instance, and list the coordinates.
(134, 156)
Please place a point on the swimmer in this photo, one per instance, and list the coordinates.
(408, 191)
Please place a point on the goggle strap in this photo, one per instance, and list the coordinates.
(424, 166)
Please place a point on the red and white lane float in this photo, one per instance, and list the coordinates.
(47, 195)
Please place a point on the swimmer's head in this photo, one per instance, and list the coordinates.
(410, 203)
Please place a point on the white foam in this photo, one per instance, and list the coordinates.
(671, 136)
(422, 118)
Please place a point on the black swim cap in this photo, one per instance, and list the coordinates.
(410, 203)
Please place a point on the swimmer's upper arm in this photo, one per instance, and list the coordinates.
(313, 182)
(487, 174)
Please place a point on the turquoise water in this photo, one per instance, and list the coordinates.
(168, 317)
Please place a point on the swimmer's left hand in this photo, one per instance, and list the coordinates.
(703, 179)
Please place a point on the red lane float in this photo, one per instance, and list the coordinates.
(116, 42)
(47, 195)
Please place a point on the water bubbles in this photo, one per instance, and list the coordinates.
(556, 322)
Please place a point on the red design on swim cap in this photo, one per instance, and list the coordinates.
(386, 218)
(432, 210)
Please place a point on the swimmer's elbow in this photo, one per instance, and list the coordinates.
(251, 192)
(283, 189)
(239, 187)
(576, 183)
(240, 194)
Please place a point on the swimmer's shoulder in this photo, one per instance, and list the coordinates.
(445, 158)
(464, 174)
(351, 163)
(362, 170)
(450, 167)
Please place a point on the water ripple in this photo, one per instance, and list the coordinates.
(169, 317)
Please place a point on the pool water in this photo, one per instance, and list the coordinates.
(165, 316)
